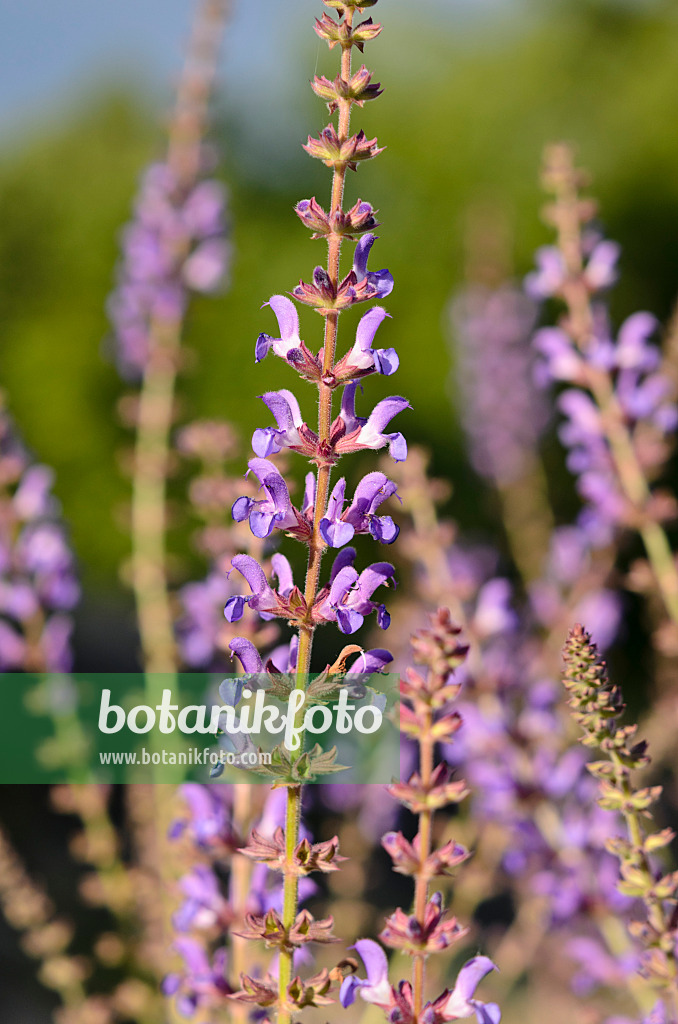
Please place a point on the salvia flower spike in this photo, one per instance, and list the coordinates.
(326, 518)
(427, 716)
(618, 407)
(597, 705)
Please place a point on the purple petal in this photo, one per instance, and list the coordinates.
(265, 442)
(383, 529)
(342, 582)
(170, 984)
(348, 619)
(347, 992)
(369, 494)
(601, 267)
(487, 1013)
(288, 318)
(362, 252)
(368, 662)
(247, 654)
(386, 361)
(468, 979)
(383, 617)
(382, 281)
(335, 533)
(547, 279)
(284, 407)
(283, 572)
(343, 559)
(309, 493)
(374, 958)
(397, 447)
(374, 576)
(262, 523)
(241, 508)
(234, 608)
(263, 469)
(348, 408)
(381, 415)
(205, 268)
(335, 505)
(367, 328)
(194, 956)
(252, 571)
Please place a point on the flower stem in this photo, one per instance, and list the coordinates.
(421, 883)
(316, 546)
(156, 401)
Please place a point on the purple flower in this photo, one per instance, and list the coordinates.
(33, 498)
(382, 280)
(600, 271)
(370, 662)
(199, 626)
(559, 358)
(175, 244)
(204, 269)
(370, 431)
(204, 906)
(627, 369)
(349, 598)
(503, 414)
(285, 408)
(373, 989)
(333, 530)
(601, 267)
(339, 526)
(461, 1001)
(288, 345)
(209, 821)
(493, 612)
(275, 510)
(549, 276)
(201, 984)
(247, 654)
(362, 359)
(263, 598)
(37, 568)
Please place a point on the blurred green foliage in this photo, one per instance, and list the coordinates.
(465, 115)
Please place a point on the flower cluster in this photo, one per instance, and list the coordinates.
(427, 716)
(503, 414)
(618, 406)
(203, 635)
(211, 916)
(38, 585)
(175, 245)
(326, 519)
(532, 798)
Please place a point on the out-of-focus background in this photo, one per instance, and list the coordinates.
(472, 93)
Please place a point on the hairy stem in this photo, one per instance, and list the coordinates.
(421, 883)
(316, 544)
